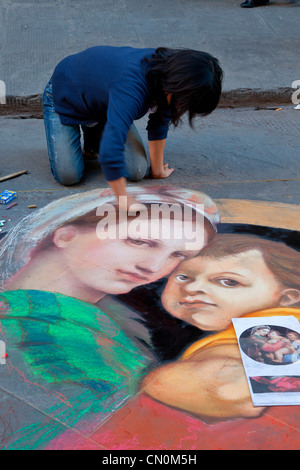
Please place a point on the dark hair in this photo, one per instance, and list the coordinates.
(282, 261)
(193, 77)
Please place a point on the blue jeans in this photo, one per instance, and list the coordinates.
(65, 152)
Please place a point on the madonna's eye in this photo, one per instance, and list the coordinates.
(137, 242)
(182, 278)
(179, 254)
(228, 282)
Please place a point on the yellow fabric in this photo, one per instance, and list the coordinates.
(228, 336)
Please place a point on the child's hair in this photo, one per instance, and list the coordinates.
(293, 332)
(193, 77)
(282, 261)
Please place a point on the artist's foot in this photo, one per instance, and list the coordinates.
(254, 3)
(90, 156)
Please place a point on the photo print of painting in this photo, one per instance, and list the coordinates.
(119, 343)
(271, 357)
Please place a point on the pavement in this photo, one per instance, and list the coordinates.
(247, 148)
(256, 47)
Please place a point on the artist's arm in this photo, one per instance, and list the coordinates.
(159, 169)
(126, 202)
(125, 102)
(211, 384)
(119, 186)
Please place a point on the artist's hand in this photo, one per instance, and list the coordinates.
(131, 205)
(163, 172)
(125, 202)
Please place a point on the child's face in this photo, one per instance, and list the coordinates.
(292, 336)
(209, 292)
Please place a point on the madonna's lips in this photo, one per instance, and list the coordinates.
(130, 276)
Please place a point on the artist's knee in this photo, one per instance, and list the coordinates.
(136, 176)
(68, 178)
(137, 172)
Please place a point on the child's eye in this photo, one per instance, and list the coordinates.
(182, 278)
(228, 282)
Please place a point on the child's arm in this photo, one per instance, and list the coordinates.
(285, 340)
(288, 344)
(211, 384)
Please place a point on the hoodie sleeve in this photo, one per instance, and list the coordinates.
(127, 102)
(158, 124)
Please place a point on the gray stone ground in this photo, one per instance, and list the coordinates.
(257, 47)
(239, 153)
